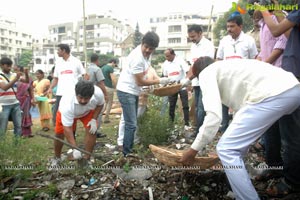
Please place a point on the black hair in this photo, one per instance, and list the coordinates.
(65, 47)
(172, 52)
(151, 39)
(94, 57)
(235, 18)
(21, 68)
(6, 61)
(40, 71)
(112, 61)
(200, 64)
(195, 27)
(84, 88)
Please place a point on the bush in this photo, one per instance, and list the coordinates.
(154, 128)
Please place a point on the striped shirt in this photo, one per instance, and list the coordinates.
(8, 97)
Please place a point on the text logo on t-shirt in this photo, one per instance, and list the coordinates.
(67, 72)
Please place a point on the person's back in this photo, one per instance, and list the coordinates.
(247, 86)
(107, 71)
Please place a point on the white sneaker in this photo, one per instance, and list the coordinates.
(54, 163)
(187, 128)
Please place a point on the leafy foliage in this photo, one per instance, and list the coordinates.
(137, 39)
(25, 58)
(154, 128)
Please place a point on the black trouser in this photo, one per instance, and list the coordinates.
(185, 105)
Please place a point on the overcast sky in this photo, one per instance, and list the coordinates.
(36, 15)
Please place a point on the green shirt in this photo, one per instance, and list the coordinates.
(107, 70)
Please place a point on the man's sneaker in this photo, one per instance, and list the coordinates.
(54, 163)
(187, 128)
(100, 135)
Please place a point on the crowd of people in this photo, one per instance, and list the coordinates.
(259, 85)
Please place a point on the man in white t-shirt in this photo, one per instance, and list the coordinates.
(133, 76)
(260, 94)
(201, 47)
(68, 70)
(85, 104)
(175, 68)
(236, 45)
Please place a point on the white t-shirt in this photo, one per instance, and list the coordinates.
(71, 109)
(242, 47)
(68, 72)
(136, 63)
(204, 48)
(236, 83)
(8, 97)
(176, 69)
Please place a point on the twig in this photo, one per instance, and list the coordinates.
(150, 193)
(108, 162)
(64, 142)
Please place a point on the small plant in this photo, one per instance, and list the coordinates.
(126, 167)
(154, 128)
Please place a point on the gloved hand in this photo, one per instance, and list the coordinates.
(164, 80)
(185, 82)
(93, 126)
(77, 154)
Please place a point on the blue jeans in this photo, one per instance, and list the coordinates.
(225, 119)
(199, 108)
(15, 112)
(272, 145)
(290, 134)
(129, 104)
(164, 105)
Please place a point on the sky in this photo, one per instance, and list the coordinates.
(34, 16)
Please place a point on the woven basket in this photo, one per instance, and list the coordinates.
(167, 90)
(170, 157)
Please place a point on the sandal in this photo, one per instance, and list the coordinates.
(281, 189)
(268, 174)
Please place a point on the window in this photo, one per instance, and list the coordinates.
(51, 61)
(38, 61)
(90, 45)
(89, 27)
(61, 29)
(174, 40)
(176, 28)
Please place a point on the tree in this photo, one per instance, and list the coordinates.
(220, 29)
(137, 38)
(25, 58)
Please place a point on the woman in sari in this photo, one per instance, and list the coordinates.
(41, 85)
(26, 98)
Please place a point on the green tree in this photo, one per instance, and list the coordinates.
(137, 38)
(25, 58)
(220, 28)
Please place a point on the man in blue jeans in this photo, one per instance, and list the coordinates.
(10, 106)
(131, 80)
(289, 124)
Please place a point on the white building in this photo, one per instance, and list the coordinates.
(13, 41)
(172, 30)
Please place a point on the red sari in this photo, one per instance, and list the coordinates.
(24, 97)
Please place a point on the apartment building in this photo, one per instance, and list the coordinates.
(13, 40)
(103, 33)
(172, 30)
